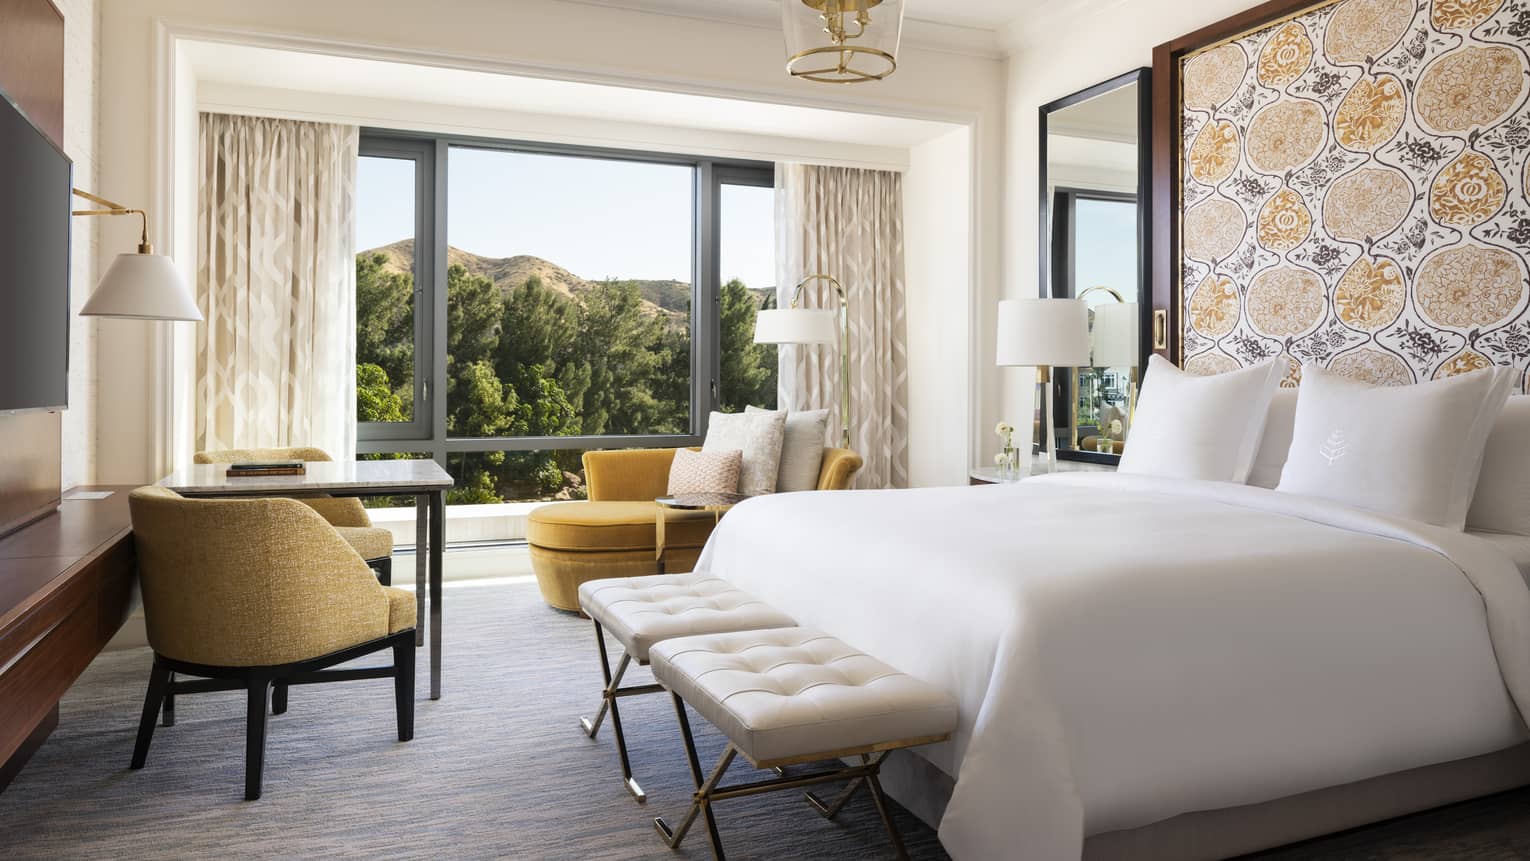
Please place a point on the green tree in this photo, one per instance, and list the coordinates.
(375, 399)
(482, 406)
(473, 311)
(385, 324)
(747, 372)
(621, 345)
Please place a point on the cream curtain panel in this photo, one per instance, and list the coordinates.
(848, 223)
(276, 273)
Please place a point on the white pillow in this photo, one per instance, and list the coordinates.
(802, 452)
(1199, 427)
(1410, 451)
(759, 436)
(1276, 440)
(1502, 500)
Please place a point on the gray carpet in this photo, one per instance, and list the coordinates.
(498, 769)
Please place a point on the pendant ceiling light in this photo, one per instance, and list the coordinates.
(842, 41)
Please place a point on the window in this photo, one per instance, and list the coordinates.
(391, 217)
(747, 266)
(555, 300)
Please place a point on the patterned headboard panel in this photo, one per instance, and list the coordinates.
(1355, 192)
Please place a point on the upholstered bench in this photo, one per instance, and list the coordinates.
(642, 611)
(790, 696)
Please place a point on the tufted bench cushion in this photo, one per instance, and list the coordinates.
(788, 694)
(642, 611)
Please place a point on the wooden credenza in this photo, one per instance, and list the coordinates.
(66, 586)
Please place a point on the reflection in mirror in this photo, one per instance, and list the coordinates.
(1094, 247)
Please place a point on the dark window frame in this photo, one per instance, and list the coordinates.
(430, 291)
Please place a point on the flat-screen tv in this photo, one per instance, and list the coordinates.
(34, 266)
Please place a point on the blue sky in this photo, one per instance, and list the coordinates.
(594, 217)
(1104, 247)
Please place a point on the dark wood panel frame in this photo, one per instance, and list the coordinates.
(1167, 154)
(31, 77)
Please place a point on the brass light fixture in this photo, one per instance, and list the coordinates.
(842, 41)
(141, 286)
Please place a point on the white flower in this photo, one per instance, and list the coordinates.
(998, 459)
(1004, 429)
(1115, 427)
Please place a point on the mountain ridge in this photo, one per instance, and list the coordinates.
(666, 298)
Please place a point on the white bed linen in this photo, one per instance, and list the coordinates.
(1128, 648)
(1516, 547)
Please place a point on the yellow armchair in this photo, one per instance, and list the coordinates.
(257, 595)
(612, 533)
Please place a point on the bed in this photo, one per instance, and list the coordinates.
(1162, 667)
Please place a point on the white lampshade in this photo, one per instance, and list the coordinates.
(842, 41)
(1043, 332)
(794, 326)
(142, 287)
(1115, 335)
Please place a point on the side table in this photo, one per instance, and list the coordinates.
(687, 505)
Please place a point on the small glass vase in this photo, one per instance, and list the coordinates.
(1009, 464)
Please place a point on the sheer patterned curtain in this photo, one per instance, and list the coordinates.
(276, 273)
(848, 223)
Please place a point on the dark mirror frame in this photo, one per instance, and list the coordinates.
(1062, 383)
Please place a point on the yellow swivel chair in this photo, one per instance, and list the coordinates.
(257, 595)
(613, 533)
(345, 513)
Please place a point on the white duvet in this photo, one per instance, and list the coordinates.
(1125, 649)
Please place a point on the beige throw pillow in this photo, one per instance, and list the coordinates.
(704, 471)
(759, 436)
(802, 451)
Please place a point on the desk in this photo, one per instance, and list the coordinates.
(425, 480)
(66, 581)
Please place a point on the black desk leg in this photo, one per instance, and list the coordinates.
(421, 518)
(437, 550)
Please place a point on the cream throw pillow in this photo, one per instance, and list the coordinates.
(1205, 428)
(759, 436)
(1502, 500)
(704, 471)
(802, 451)
(1408, 451)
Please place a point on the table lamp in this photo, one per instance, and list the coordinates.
(1043, 334)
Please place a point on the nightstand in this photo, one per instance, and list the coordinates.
(990, 474)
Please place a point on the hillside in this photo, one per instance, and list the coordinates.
(660, 298)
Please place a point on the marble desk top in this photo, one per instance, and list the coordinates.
(357, 478)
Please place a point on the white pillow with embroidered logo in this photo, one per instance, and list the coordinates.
(1408, 451)
(1201, 427)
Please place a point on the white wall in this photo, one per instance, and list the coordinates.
(937, 221)
(1065, 48)
(542, 37)
(80, 123)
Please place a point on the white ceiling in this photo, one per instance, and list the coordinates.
(963, 25)
(246, 65)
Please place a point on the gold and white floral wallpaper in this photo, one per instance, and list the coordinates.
(1356, 192)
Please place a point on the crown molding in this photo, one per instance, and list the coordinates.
(917, 33)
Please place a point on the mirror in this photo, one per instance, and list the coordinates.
(1095, 169)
